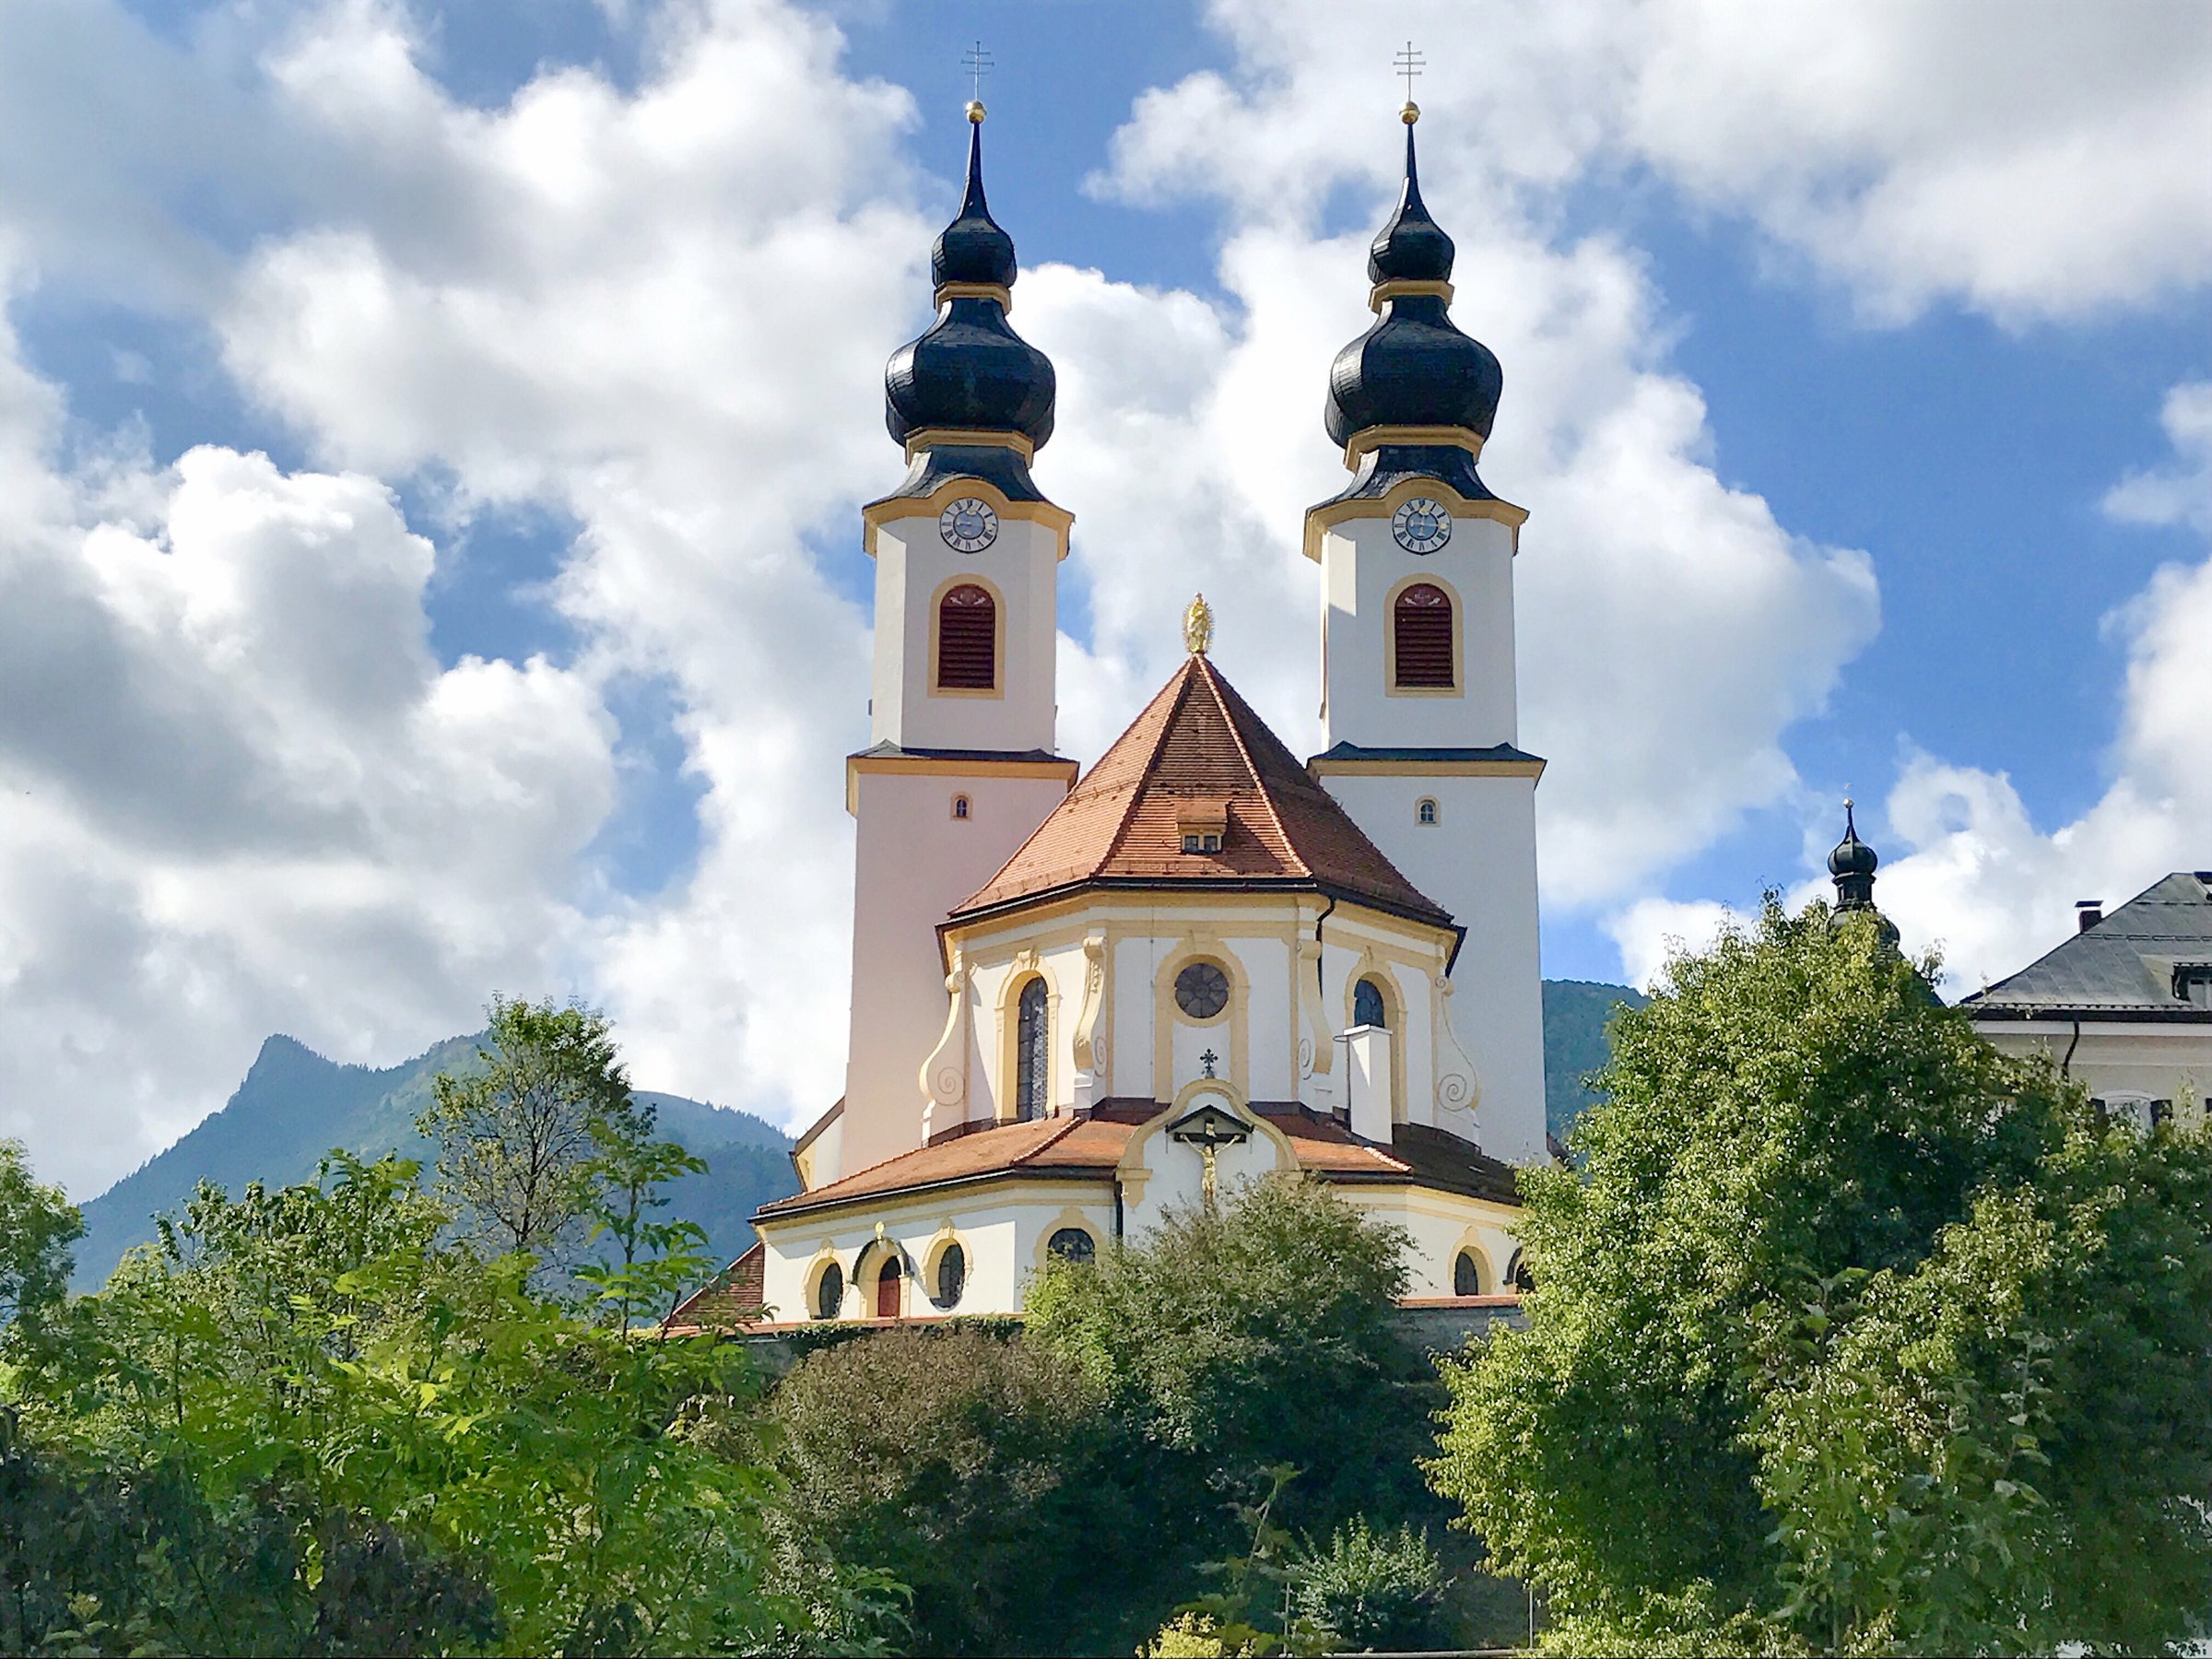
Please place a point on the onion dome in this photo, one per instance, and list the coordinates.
(1413, 368)
(1853, 865)
(969, 373)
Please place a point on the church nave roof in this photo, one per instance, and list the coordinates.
(1199, 749)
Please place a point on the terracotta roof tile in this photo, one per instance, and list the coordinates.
(1199, 749)
(732, 1298)
(1068, 1147)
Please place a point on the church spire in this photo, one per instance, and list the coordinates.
(1853, 865)
(1413, 396)
(969, 382)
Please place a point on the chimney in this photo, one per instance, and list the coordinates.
(2087, 912)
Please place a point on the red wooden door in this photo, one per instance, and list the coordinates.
(887, 1292)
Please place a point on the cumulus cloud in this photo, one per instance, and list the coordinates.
(1652, 931)
(1978, 878)
(246, 797)
(2041, 160)
(242, 795)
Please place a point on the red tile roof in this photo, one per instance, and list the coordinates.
(1089, 1149)
(731, 1298)
(1199, 752)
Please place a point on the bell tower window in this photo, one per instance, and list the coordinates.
(1422, 638)
(967, 640)
(1032, 1053)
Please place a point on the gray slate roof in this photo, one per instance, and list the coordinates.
(2120, 968)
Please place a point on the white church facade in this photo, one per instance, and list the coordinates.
(1081, 1000)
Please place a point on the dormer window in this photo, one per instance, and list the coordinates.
(2193, 983)
(1202, 825)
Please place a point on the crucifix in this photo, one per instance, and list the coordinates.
(1209, 1060)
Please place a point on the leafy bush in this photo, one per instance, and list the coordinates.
(1374, 1589)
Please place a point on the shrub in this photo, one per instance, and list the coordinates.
(1374, 1589)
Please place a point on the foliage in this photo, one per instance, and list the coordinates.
(37, 1227)
(315, 1366)
(946, 1458)
(518, 1155)
(1256, 1333)
(661, 1260)
(1850, 1335)
(1372, 1590)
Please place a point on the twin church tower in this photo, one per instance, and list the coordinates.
(1079, 1001)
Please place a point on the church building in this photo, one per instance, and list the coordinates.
(1080, 1002)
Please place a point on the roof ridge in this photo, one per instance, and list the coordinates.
(1252, 767)
(1180, 684)
(1066, 1127)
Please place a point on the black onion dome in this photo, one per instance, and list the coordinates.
(1412, 247)
(1413, 368)
(1852, 856)
(969, 369)
(972, 248)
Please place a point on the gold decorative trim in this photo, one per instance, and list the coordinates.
(1374, 438)
(879, 513)
(1329, 515)
(975, 290)
(1322, 766)
(1406, 287)
(949, 767)
(922, 437)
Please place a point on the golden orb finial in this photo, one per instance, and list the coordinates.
(1197, 626)
(975, 110)
(1411, 113)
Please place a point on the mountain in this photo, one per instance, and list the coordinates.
(1575, 1012)
(294, 1106)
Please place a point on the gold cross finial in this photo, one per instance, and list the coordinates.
(1197, 626)
(1409, 62)
(977, 62)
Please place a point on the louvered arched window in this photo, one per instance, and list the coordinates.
(967, 640)
(1422, 639)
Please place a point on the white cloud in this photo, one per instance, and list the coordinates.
(1978, 878)
(257, 802)
(241, 796)
(1652, 932)
(2025, 160)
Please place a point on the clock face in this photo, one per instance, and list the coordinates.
(968, 525)
(1421, 525)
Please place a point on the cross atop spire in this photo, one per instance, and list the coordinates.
(1409, 63)
(977, 62)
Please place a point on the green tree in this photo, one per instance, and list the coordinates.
(661, 1261)
(317, 1366)
(518, 1155)
(37, 1224)
(1851, 1334)
(1374, 1589)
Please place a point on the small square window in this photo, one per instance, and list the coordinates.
(1190, 844)
(1202, 843)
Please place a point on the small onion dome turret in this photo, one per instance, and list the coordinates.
(1852, 864)
(969, 372)
(1413, 368)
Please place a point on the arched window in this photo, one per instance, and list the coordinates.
(1422, 638)
(1425, 812)
(952, 1276)
(967, 640)
(1367, 1005)
(1073, 1244)
(959, 807)
(1467, 1274)
(829, 1292)
(887, 1290)
(1032, 1053)
(1518, 1275)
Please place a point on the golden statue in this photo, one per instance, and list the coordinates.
(1197, 626)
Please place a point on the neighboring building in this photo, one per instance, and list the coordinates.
(2126, 1005)
(1078, 1004)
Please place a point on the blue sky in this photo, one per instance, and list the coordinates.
(1890, 350)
